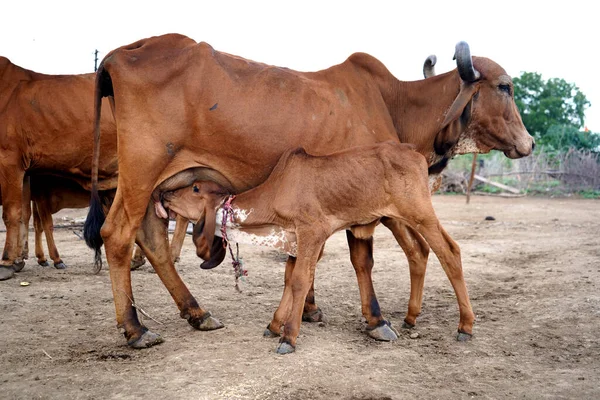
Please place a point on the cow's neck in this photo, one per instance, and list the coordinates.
(418, 108)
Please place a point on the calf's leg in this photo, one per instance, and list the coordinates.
(38, 231)
(45, 214)
(181, 224)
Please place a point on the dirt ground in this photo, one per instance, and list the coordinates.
(533, 276)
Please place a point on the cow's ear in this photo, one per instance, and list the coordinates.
(456, 119)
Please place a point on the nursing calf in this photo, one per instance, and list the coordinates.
(308, 198)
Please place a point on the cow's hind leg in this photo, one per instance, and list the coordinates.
(153, 239)
(417, 253)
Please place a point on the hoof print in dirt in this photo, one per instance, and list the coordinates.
(148, 339)
(285, 348)
(384, 332)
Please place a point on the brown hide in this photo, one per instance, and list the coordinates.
(46, 125)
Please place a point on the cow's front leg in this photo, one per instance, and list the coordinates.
(153, 239)
(417, 253)
(11, 182)
(361, 256)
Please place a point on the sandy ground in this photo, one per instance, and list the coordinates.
(533, 276)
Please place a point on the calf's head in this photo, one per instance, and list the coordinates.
(199, 203)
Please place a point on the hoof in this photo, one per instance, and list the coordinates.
(148, 339)
(463, 336)
(135, 264)
(407, 325)
(206, 323)
(60, 265)
(313, 316)
(269, 333)
(285, 348)
(18, 265)
(384, 332)
(44, 263)
(6, 272)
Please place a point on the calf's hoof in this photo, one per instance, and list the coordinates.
(313, 316)
(60, 265)
(463, 336)
(206, 323)
(269, 333)
(44, 263)
(285, 348)
(18, 265)
(148, 339)
(6, 272)
(384, 332)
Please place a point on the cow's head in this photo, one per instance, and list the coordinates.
(484, 115)
(199, 203)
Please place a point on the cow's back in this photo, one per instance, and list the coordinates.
(225, 105)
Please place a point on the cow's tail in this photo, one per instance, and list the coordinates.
(96, 217)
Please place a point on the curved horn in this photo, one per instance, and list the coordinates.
(464, 63)
(429, 66)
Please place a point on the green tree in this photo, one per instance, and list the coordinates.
(553, 111)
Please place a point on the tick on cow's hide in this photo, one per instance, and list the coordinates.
(213, 107)
(170, 149)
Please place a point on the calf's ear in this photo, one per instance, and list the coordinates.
(217, 254)
(456, 119)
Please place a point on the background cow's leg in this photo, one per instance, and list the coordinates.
(361, 256)
(417, 253)
(153, 239)
(38, 230)
(310, 246)
(11, 182)
(138, 259)
(282, 312)
(181, 224)
(26, 217)
(45, 214)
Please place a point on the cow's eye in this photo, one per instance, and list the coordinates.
(196, 189)
(504, 88)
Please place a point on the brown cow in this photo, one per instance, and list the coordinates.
(50, 194)
(306, 199)
(182, 106)
(45, 126)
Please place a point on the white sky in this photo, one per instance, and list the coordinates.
(556, 39)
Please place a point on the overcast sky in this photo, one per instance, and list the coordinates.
(556, 39)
